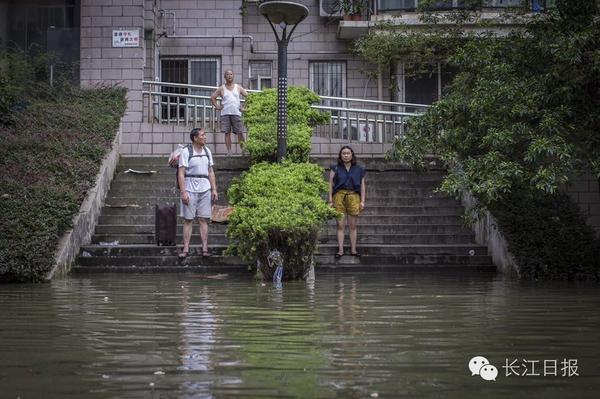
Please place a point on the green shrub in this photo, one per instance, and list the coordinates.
(261, 108)
(262, 143)
(50, 156)
(278, 206)
(548, 237)
(261, 121)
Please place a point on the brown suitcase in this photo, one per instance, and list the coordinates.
(165, 225)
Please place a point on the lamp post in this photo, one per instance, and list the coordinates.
(284, 14)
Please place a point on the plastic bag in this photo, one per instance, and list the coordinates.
(174, 157)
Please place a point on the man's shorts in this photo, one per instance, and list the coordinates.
(231, 122)
(347, 202)
(199, 206)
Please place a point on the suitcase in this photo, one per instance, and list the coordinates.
(165, 224)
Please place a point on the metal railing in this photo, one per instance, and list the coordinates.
(352, 119)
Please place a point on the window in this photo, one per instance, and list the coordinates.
(202, 71)
(260, 75)
(328, 78)
(502, 3)
(411, 5)
(391, 5)
(426, 85)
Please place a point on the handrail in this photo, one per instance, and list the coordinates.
(355, 119)
(330, 98)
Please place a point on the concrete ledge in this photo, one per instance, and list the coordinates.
(84, 222)
(487, 233)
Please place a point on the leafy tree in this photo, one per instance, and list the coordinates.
(523, 111)
(521, 116)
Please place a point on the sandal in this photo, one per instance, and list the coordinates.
(355, 254)
(183, 255)
(206, 254)
(338, 255)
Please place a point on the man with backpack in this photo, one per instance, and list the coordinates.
(198, 188)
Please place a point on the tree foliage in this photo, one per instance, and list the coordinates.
(524, 108)
(520, 118)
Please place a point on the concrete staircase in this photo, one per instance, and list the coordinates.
(405, 224)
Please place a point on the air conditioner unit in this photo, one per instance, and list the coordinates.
(330, 8)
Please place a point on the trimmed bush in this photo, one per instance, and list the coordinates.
(261, 120)
(549, 237)
(50, 154)
(278, 206)
(262, 143)
(262, 108)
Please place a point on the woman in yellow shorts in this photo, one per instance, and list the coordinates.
(347, 195)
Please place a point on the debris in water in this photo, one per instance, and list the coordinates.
(109, 244)
(159, 372)
(123, 206)
(140, 172)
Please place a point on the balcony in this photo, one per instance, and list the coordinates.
(405, 12)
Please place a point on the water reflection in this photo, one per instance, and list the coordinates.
(396, 335)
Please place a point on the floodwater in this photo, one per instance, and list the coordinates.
(359, 335)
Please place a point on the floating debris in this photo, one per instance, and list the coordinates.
(140, 172)
(159, 372)
(123, 206)
(275, 259)
(108, 244)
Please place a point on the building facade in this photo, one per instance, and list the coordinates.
(127, 42)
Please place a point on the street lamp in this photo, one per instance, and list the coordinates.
(284, 14)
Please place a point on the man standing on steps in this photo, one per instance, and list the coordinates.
(198, 187)
(231, 112)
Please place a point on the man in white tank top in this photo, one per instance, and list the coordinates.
(230, 107)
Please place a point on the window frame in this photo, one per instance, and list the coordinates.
(344, 74)
(259, 78)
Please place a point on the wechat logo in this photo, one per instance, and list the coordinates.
(480, 366)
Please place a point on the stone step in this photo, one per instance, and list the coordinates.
(243, 162)
(165, 174)
(134, 206)
(161, 181)
(152, 163)
(371, 201)
(373, 238)
(368, 214)
(169, 181)
(122, 217)
(372, 192)
(195, 260)
(137, 239)
(322, 249)
(221, 271)
(364, 229)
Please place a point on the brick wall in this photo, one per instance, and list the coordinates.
(103, 64)
(315, 39)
